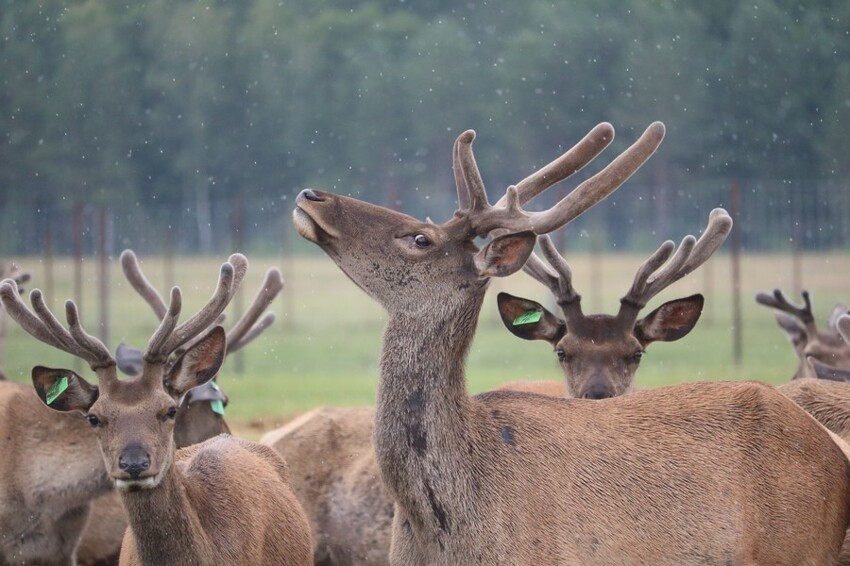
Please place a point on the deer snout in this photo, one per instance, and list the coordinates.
(309, 194)
(598, 390)
(134, 461)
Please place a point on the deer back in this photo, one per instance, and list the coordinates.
(336, 478)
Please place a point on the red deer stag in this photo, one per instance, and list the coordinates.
(799, 324)
(600, 353)
(200, 415)
(628, 480)
(225, 500)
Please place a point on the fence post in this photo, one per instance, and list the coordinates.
(735, 211)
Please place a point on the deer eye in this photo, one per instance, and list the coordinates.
(421, 241)
(170, 414)
(93, 420)
(635, 358)
(562, 356)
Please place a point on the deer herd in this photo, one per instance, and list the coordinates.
(584, 470)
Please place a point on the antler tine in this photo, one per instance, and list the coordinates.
(255, 331)
(156, 352)
(272, 285)
(97, 354)
(25, 318)
(137, 279)
(636, 292)
(229, 278)
(460, 181)
(45, 327)
(843, 326)
(585, 151)
(240, 268)
(477, 195)
(587, 194)
(778, 301)
(692, 253)
(559, 283)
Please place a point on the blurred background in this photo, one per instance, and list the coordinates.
(185, 129)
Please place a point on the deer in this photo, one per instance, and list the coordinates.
(600, 353)
(200, 415)
(799, 324)
(223, 500)
(826, 396)
(629, 480)
(335, 475)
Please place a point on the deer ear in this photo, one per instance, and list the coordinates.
(843, 326)
(838, 311)
(670, 321)
(505, 255)
(129, 359)
(823, 371)
(63, 390)
(529, 319)
(197, 365)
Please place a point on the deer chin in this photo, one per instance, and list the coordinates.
(310, 229)
(149, 482)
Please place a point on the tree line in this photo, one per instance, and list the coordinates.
(172, 113)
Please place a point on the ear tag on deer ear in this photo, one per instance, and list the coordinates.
(58, 388)
(215, 386)
(217, 406)
(528, 317)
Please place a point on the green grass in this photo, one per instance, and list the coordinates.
(323, 348)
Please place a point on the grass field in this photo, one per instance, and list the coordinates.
(322, 350)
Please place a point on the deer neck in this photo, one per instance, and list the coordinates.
(164, 525)
(422, 413)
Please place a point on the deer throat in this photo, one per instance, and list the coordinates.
(422, 413)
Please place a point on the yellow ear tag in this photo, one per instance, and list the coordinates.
(58, 388)
(528, 317)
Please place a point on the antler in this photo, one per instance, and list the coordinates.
(45, 327)
(168, 337)
(507, 214)
(560, 283)
(692, 253)
(778, 301)
(245, 330)
(15, 274)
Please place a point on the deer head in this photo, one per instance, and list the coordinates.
(201, 411)
(600, 353)
(828, 348)
(133, 420)
(409, 266)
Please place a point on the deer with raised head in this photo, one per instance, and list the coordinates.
(600, 353)
(200, 415)
(799, 325)
(629, 480)
(226, 500)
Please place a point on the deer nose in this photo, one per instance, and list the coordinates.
(310, 194)
(134, 460)
(598, 391)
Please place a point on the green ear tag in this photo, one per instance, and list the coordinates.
(217, 406)
(215, 386)
(58, 388)
(528, 317)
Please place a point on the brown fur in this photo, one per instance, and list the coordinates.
(224, 501)
(632, 479)
(46, 485)
(336, 478)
